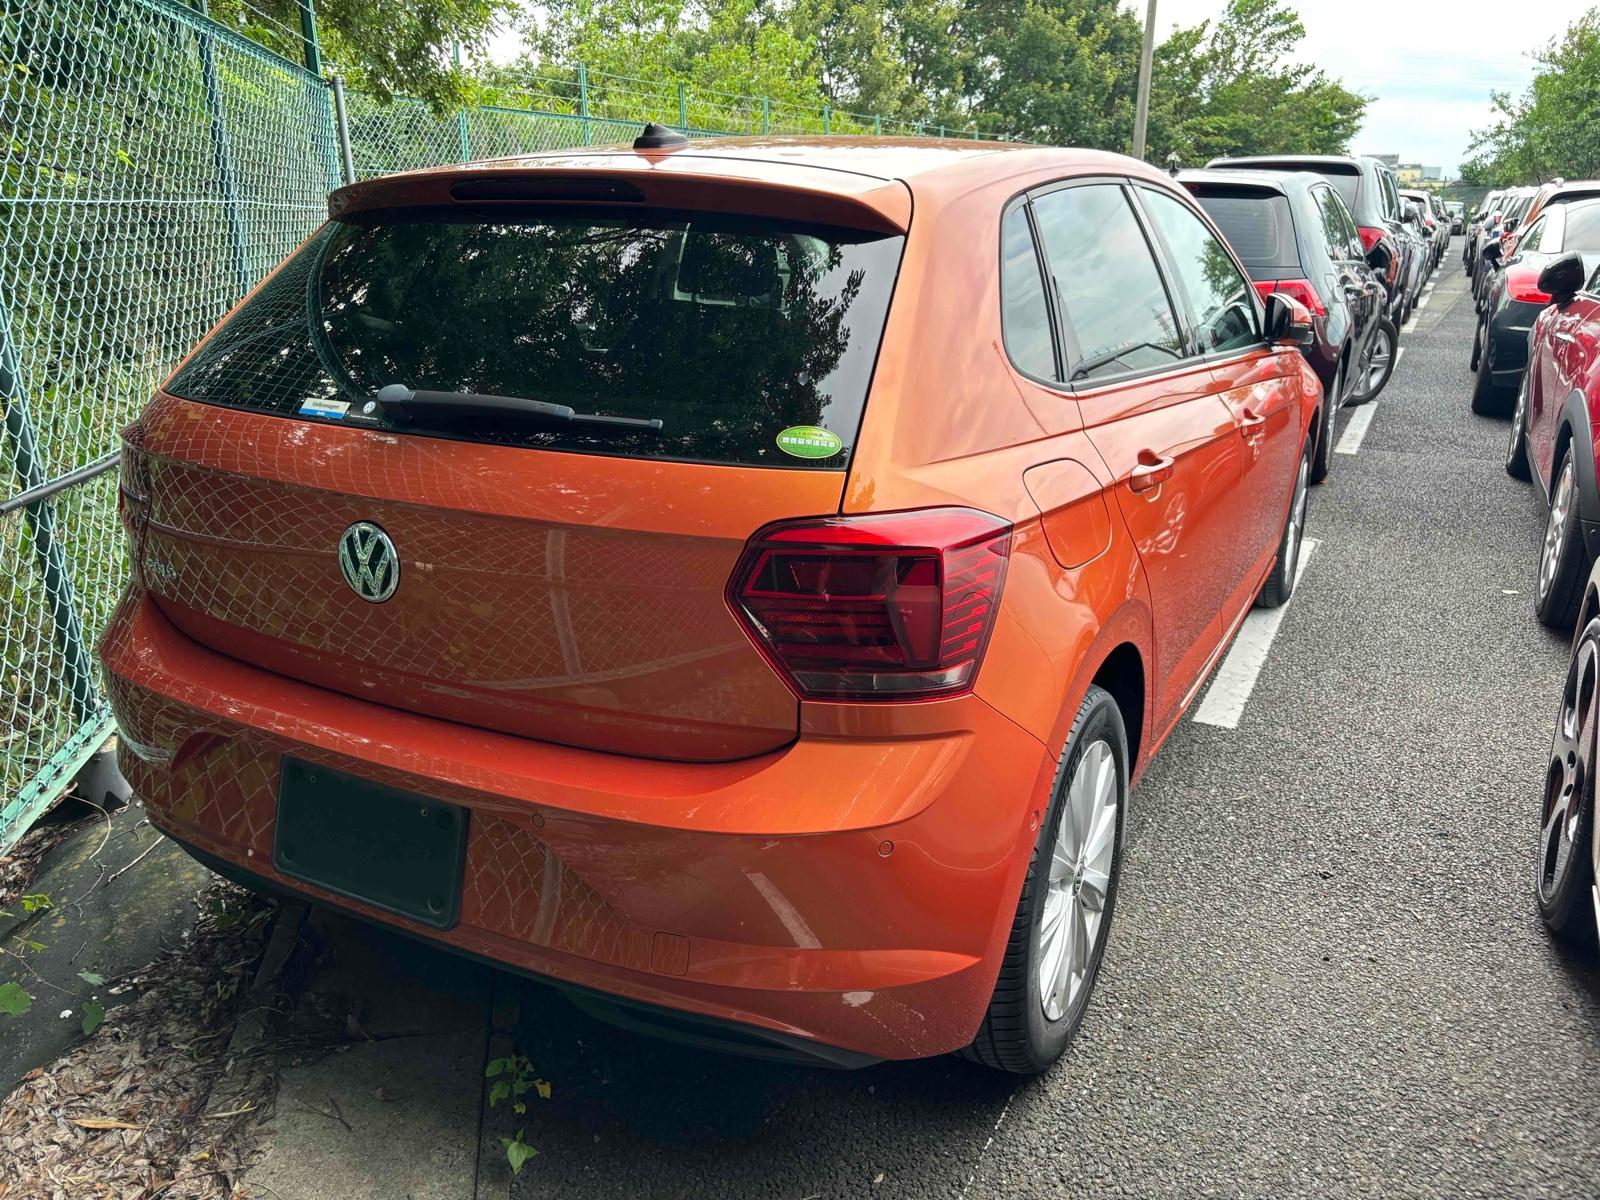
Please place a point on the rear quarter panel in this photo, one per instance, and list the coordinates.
(950, 421)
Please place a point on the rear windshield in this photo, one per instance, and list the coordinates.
(730, 331)
(1257, 225)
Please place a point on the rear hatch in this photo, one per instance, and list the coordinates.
(481, 545)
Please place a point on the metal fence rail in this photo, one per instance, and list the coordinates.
(158, 164)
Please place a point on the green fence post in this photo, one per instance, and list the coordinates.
(461, 113)
(583, 103)
(222, 158)
(941, 131)
(309, 44)
(58, 590)
(766, 114)
(683, 109)
(877, 123)
(826, 119)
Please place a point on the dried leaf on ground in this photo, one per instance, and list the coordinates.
(120, 1115)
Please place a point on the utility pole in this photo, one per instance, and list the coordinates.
(1141, 113)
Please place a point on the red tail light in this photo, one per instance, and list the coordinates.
(887, 606)
(1299, 289)
(1370, 237)
(1522, 283)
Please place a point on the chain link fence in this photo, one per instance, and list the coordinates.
(157, 164)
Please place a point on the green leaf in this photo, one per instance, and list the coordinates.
(91, 978)
(499, 1092)
(519, 1108)
(496, 1066)
(93, 1015)
(13, 1000)
(517, 1151)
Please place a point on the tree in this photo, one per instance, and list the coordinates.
(386, 47)
(638, 51)
(1233, 87)
(1553, 129)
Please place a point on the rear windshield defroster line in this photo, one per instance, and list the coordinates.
(731, 330)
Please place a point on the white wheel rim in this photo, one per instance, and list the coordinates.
(1079, 881)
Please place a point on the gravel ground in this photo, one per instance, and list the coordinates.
(1326, 977)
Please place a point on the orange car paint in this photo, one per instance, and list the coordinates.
(840, 872)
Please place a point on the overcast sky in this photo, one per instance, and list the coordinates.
(1429, 65)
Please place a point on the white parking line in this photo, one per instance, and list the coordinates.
(1236, 677)
(1350, 440)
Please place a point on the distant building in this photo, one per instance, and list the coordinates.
(1389, 160)
(1433, 173)
(1408, 174)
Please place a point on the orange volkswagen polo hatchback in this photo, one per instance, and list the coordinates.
(735, 582)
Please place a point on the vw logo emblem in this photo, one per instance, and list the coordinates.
(369, 562)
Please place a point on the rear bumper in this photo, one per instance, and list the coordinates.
(848, 893)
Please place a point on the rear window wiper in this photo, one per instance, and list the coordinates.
(408, 406)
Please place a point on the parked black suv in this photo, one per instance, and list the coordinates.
(1368, 190)
(1293, 233)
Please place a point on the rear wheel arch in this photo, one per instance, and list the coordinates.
(1575, 431)
(1122, 673)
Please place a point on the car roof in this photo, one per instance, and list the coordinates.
(1309, 162)
(1269, 181)
(862, 170)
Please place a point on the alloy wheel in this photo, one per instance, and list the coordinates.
(1518, 416)
(1379, 352)
(1297, 524)
(1569, 782)
(1080, 879)
(1555, 530)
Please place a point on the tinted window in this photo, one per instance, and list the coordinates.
(1583, 228)
(1391, 197)
(1114, 304)
(1348, 187)
(1257, 224)
(1025, 317)
(1533, 237)
(1224, 309)
(730, 331)
(1335, 223)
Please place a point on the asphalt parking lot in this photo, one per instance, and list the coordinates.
(1326, 976)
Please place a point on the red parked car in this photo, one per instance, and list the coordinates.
(1553, 431)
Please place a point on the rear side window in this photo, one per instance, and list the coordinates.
(1221, 298)
(730, 331)
(1347, 185)
(1025, 316)
(1337, 227)
(1115, 306)
(1257, 224)
(1582, 228)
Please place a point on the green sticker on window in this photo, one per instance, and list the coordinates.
(809, 441)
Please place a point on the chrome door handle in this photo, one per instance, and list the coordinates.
(1251, 424)
(1565, 337)
(1153, 470)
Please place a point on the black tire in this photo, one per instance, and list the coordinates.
(1487, 399)
(1563, 559)
(1016, 1034)
(1369, 388)
(1280, 583)
(1563, 872)
(1322, 456)
(1517, 442)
